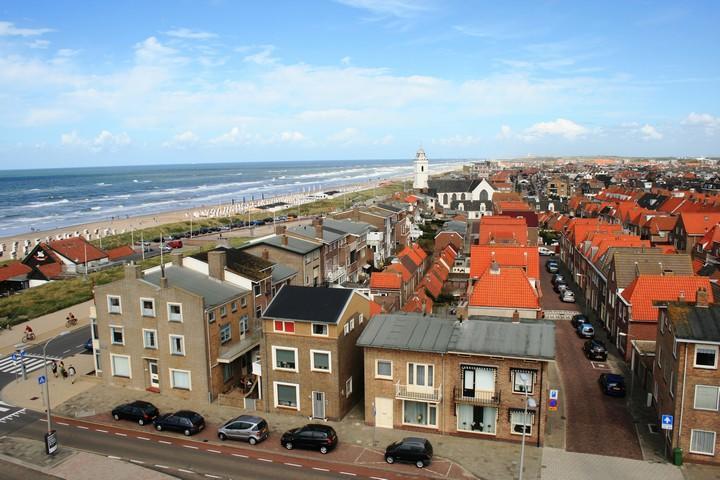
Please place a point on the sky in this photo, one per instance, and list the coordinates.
(92, 83)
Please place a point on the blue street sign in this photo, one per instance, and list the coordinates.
(15, 357)
(553, 394)
(667, 422)
(22, 353)
(42, 379)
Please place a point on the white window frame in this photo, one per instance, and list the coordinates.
(312, 361)
(172, 381)
(360, 318)
(155, 337)
(143, 309)
(702, 345)
(172, 336)
(275, 348)
(228, 327)
(348, 387)
(717, 399)
(692, 432)
(170, 315)
(325, 327)
(429, 406)
(243, 301)
(112, 334)
(413, 365)
(110, 307)
(211, 316)
(223, 311)
(244, 320)
(515, 379)
(233, 307)
(531, 413)
(112, 365)
(352, 324)
(346, 328)
(383, 377)
(297, 395)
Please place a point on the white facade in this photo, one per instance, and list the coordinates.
(421, 171)
(483, 191)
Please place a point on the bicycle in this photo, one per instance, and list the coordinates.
(28, 337)
(70, 322)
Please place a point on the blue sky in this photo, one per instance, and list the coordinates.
(87, 83)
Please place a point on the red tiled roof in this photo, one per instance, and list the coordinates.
(510, 288)
(416, 301)
(661, 224)
(671, 204)
(386, 280)
(412, 254)
(646, 289)
(440, 271)
(120, 252)
(711, 237)
(497, 227)
(698, 223)
(419, 251)
(433, 284)
(13, 269)
(506, 255)
(400, 268)
(75, 249)
(375, 308)
(51, 270)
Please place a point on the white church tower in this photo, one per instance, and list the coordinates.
(421, 171)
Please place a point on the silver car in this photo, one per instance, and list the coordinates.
(245, 427)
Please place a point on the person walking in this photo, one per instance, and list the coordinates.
(63, 372)
(71, 372)
(54, 368)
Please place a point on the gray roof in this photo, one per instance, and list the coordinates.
(281, 272)
(477, 335)
(407, 332)
(297, 245)
(309, 232)
(695, 323)
(213, 291)
(346, 226)
(455, 226)
(629, 265)
(450, 186)
(499, 336)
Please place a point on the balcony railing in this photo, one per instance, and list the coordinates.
(413, 392)
(479, 397)
(334, 274)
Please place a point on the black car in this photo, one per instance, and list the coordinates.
(558, 277)
(313, 436)
(595, 350)
(411, 450)
(560, 287)
(552, 267)
(185, 421)
(137, 411)
(578, 320)
(612, 384)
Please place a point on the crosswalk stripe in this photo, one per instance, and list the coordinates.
(30, 366)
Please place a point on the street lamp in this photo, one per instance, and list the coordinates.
(46, 389)
(529, 402)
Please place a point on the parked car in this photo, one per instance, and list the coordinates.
(166, 248)
(281, 218)
(137, 411)
(174, 243)
(292, 216)
(585, 330)
(552, 267)
(595, 350)
(245, 427)
(612, 384)
(560, 287)
(313, 436)
(185, 421)
(268, 220)
(411, 450)
(558, 277)
(567, 296)
(88, 345)
(544, 251)
(578, 319)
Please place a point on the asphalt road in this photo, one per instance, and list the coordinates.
(12, 471)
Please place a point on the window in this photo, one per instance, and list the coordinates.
(320, 361)
(474, 418)
(706, 356)
(243, 302)
(114, 304)
(420, 413)
(227, 372)
(346, 328)
(284, 358)
(519, 383)
(116, 336)
(702, 442)
(177, 344)
(147, 307)
(233, 307)
(223, 311)
(287, 327)
(180, 379)
(348, 387)
(225, 333)
(211, 316)
(519, 421)
(360, 319)
(383, 369)
(256, 289)
(243, 325)
(120, 366)
(174, 312)
(150, 338)
(258, 311)
(98, 368)
(420, 375)
(320, 329)
(352, 324)
(286, 395)
(706, 397)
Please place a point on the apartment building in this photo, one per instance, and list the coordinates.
(686, 377)
(468, 378)
(174, 331)
(310, 364)
(301, 255)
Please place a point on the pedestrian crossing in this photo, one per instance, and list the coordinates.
(32, 363)
(9, 412)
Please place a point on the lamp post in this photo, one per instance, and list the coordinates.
(529, 402)
(46, 389)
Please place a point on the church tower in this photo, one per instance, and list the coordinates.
(421, 171)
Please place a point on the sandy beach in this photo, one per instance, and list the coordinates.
(121, 224)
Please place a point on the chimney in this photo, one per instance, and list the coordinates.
(177, 259)
(163, 282)
(280, 229)
(132, 271)
(216, 264)
(318, 223)
(516, 317)
(494, 268)
(284, 239)
(701, 298)
(681, 296)
(266, 252)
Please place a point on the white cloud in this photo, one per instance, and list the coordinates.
(345, 60)
(8, 29)
(395, 8)
(457, 141)
(236, 136)
(649, 132)
(182, 140)
(188, 34)
(291, 137)
(505, 132)
(263, 57)
(385, 140)
(105, 140)
(560, 128)
(151, 51)
(710, 123)
(38, 43)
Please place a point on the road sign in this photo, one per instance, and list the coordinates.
(51, 443)
(553, 394)
(667, 422)
(22, 353)
(553, 405)
(15, 357)
(42, 379)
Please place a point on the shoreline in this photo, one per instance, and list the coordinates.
(123, 224)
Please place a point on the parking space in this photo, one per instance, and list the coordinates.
(550, 299)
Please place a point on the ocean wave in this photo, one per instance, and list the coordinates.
(47, 204)
(103, 184)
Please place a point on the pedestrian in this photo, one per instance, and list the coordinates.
(63, 372)
(71, 372)
(54, 368)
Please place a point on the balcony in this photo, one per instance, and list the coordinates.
(414, 392)
(334, 274)
(479, 397)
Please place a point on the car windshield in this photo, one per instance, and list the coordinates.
(194, 417)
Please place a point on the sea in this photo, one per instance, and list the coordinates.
(46, 199)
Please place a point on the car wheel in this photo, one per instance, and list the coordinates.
(141, 422)
(289, 445)
(323, 450)
(116, 416)
(252, 441)
(222, 436)
(390, 460)
(158, 427)
(187, 432)
(420, 464)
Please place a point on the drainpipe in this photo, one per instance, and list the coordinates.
(206, 326)
(682, 397)
(542, 392)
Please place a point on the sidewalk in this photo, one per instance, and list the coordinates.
(45, 327)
